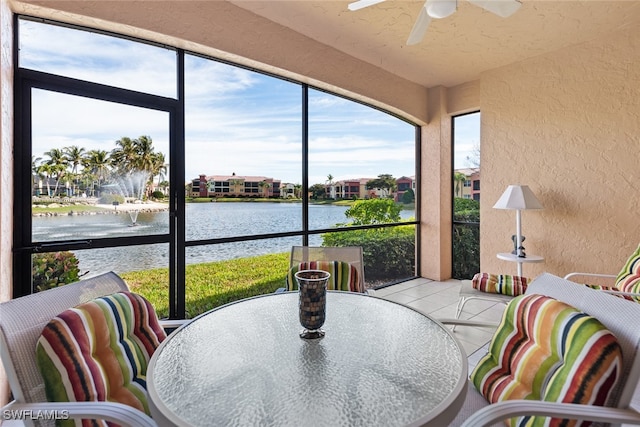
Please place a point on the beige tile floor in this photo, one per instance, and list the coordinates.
(439, 300)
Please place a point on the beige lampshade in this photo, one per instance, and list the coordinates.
(518, 197)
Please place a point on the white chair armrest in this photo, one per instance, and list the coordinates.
(608, 276)
(462, 322)
(173, 323)
(497, 412)
(116, 412)
(577, 273)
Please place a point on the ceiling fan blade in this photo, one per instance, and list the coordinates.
(361, 4)
(502, 8)
(420, 27)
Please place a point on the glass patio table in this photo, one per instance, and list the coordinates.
(379, 364)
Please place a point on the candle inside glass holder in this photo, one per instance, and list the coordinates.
(312, 288)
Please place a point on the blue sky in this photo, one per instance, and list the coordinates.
(236, 120)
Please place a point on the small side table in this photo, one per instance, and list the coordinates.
(506, 256)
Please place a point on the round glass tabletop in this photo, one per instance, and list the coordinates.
(380, 363)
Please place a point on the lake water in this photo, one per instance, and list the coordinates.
(203, 221)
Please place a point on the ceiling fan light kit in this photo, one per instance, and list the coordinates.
(439, 9)
(361, 4)
(502, 8)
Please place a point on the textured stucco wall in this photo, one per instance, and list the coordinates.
(568, 125)
(6, 147)
(463, 98)
(435, 184)
(6, 163)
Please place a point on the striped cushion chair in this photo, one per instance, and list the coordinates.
(627, 281)
(491, 287)
(547, 350)
(504, 284)
(344, 276)
(99, 351)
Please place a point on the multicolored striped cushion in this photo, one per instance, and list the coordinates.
(99, 351)
(547, 350)
(344, 276)
(500, 284)
(628, 279)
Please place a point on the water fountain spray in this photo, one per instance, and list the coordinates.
(131, 186)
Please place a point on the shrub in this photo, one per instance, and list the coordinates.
(460, 205)
(53, 269)
(157, 194)
(408, 197)
(388, 253)
(108, 199)
(373, 211)
(466, 238)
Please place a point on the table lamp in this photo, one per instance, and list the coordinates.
(518, 197)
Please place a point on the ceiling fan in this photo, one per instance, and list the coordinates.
(438, 9)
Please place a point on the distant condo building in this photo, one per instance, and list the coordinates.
(234, 185)
(471, 186)
(357, 188)
(262, 186)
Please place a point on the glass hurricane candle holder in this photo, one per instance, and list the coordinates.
(312, 288)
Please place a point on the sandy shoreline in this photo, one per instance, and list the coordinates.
(126, 207)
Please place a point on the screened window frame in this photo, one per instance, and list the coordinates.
(25, 80)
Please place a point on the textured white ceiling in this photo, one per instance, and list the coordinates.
(455, 49)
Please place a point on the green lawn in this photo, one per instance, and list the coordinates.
(66, 209)
(210, 285)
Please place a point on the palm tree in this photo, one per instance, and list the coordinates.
(264, 185)
(57, 166)
(330, 182)
(234, 183)
(158, 167)
(88, 178)
(45, 171)
(34, 171)
(297, 191)
(97, 162)
(123, 157)
(74, 156)
(459, 179)
(164, 186)
(145, 155)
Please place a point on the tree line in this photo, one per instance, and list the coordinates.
(84, 171)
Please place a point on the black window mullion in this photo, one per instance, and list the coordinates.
(25, 82)
(417, 197)
(22, 190)
(177, 267)
(305, 164)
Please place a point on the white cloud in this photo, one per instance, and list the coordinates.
(466, 140)
(236, 120)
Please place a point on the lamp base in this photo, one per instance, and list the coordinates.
(518, 250)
